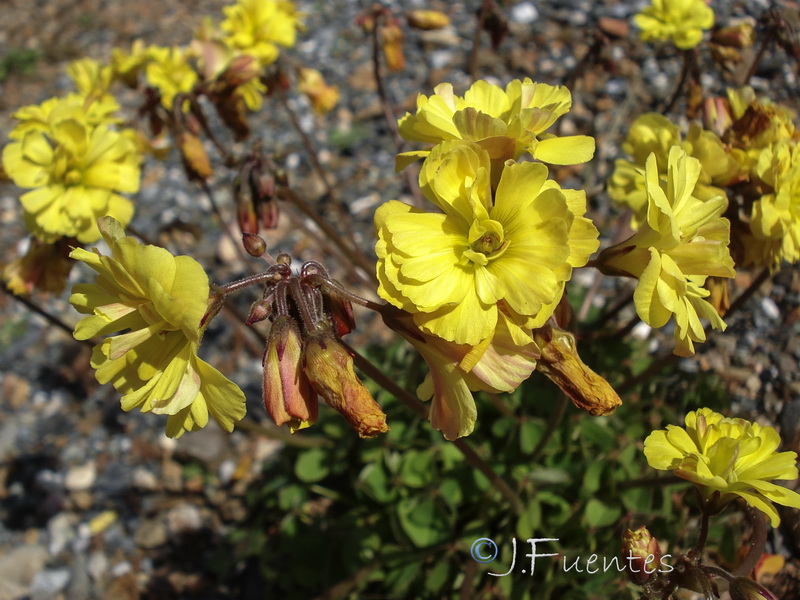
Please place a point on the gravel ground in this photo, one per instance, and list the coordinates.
(98, 503)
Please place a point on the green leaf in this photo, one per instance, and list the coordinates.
(599, 514)
(592, 478)
(311, 465)
(375, 483)
(424, 521)
(594, 430)
(530, 432)
(416, 468)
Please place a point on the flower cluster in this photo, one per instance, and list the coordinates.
(682, 241)
(680, 21)
(76, 164)
(474, 281)
(726, 458)
(158, 301)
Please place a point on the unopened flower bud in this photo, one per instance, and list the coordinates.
(245, 210)
(288, 397)
(641, 552)
(341, 312)
(240, 70)
(254, 244)
(427, 19)
(195, 159)
(561, 364)
(323, 97)
(329, 368)
(742, 588)
(392, 37)
(259, 311)
(739, 36)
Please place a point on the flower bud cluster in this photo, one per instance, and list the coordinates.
(305, 358)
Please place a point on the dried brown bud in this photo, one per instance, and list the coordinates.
(329, 368)
(561, 364)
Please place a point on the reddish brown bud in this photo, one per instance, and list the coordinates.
(329, 368)
(738, 36)
(341, 311)
(288, 397)
(259, 310)
(642, 553)
(254, 244)
(743, 588)
(268, 213)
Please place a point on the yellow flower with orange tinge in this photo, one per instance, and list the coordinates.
(680, 21)
(158, 300)
(513, 250)
(727, 458)
(683, 241)
(75, 171)
(506, 123)
(259, 27)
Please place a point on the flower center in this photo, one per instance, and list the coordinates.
(72, 177)
(486, 241)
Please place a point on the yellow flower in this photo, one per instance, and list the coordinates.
(505, 123)
(683, 240)
(731, 456)
(452, 270)
(127, 65)
(169, 71)
(653, 133)
(92, 79)
(75, 171)
(681, 21)
(158, 300)
(258, 27)
(39, 117)
(775, 219)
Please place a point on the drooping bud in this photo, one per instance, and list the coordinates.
(742, 588)
(427, 19)
(44, 267)
(254, 244)
(739, 36)
(323, 97)
(195, 159)
(718, 286)
(392, 37)
(245, 209)
(329, 368)
(288, 397)
(642, 555)
(259, 311)
(240, 69)
(341, 311)
(561, 364)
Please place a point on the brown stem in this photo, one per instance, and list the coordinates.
(687, 66)
(356, 257)
(759, 56)
(50, 318)
(757, 543)
(414, 404)
(552, 425)
(308, 144)
(486, 6)
(389, 115)
(237, 244)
